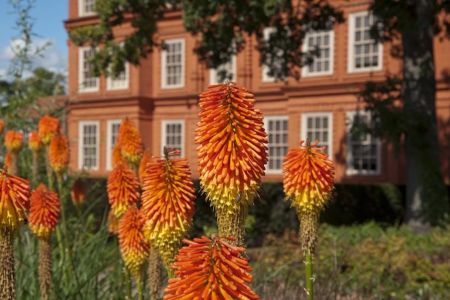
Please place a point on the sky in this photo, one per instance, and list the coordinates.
(48, 17)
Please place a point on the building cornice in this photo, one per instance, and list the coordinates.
(76, 22)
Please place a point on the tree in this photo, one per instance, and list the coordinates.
(25, 83)
(224, 25)
(406, 104)
(221, 37)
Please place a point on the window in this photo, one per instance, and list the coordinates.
(318, 127)
(320, 44)
(88, 145)
(86, 7)
(120, 82)
(173, 135)
(365, 54)
(215, 75)
(112, 135)
(88, 82)
(277, 130)
(173, 64)
(265, 68)
(363, 149)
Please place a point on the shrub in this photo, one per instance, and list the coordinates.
(358, 262)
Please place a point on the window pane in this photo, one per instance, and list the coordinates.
(278, 139)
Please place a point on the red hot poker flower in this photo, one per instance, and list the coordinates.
(209, 270)
(168, 202)
(232, 147)
(14, 200)
(130, 141)
(44, 211)
(123, 189)
(47, 128)
(58, 153)
(133, 245)
(34, 141)
(308, 178)
(13, 141)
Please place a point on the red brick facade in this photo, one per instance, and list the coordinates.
(334, 95)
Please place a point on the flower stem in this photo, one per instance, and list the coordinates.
(35, 168)
(309, 276)
(154, 273)
(45, 268)
(139, 286)
(14, 164)
(51, 184)
(232, 224)
(7, 271)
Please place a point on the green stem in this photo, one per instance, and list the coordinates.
(35, 168)
(128, 284)
(51, 184)
(140, 289)
(309, 275)
(14, 164)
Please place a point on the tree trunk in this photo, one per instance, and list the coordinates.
(426, 196)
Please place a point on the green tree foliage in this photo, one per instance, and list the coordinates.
(222, 26)
(25, 84)
(40, 83)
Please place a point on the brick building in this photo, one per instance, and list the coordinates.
(160, 96)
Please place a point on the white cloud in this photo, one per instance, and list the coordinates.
(50, 58)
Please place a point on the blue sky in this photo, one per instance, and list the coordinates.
(48, 17)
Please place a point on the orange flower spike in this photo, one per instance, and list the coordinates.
(47, 128)
(168, 203)
(232, 145)
(14, 200)
(34, 141)
(113, 223)
(146, 158)
(308, 178)
(13, 141)
(2, 125)
(78, 192)
(44, 212)
(8, 161)
(58, 153)
(210, 269)
(130, 141)
(117, 155)
(123, 189)
(133, 246)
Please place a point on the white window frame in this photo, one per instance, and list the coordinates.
(351, 40)
(350, 116)
(81, 124)
(266, 127)
(164, 83)
(264, 68)
(81, 78)
(109, 146)
(305, 71)
(124, 83)
(164, 124)
(81, 11)
(304, 129)
(213, 72)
